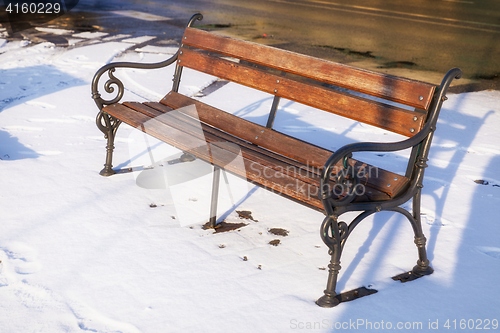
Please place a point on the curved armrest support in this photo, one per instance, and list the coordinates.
(341, 155)
(113, 82)
(346, 151)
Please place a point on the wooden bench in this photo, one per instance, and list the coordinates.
(331, 182)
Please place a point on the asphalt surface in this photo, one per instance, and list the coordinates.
(420, 39)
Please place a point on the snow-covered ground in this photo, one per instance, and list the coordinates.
(80, 252)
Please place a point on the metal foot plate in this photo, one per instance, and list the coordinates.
(415, 273)
(354, 294)
(328, 301)
(406, 277)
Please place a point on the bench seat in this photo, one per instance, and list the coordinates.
(294, 173)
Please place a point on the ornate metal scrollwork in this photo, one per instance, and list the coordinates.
(334, 233)
(343, 187)
(109, 87)
(108, 125)
(343, 231)
(115, 88)
(195, 17)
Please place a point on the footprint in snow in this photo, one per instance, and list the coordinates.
(52, 120)
(493, 252)
(70, 120)
(23, 258)
(42, 105)
(23, 128)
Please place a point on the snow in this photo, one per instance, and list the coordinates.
(55, 31)
(80, 252)
(157, 49)
(141, 15)
(90, 35)
(137, 40)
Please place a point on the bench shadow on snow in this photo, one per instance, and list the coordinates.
(21, 85)
(454, 137)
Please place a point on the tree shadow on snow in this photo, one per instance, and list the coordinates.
(19, 86)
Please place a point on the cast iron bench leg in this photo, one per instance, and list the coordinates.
(422, 267)
(108, 125)
(332, 233)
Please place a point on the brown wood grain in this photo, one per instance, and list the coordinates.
(267, 138)
(306, 154)
(265, 168)
(371, 112)
(409, 92)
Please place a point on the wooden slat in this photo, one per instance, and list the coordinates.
(306, 154)
(285, 145)
(263, 156)
(273, 180)
(146, 121)
(261, 166)
(376, 186)
(206, 133)
(388, 117)
(409, 92)
(222, 140)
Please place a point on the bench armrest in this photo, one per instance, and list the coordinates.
(339, 158)
(113, 82)
(425, 134)
(109, 85)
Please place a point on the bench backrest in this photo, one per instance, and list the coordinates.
(396, 104)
